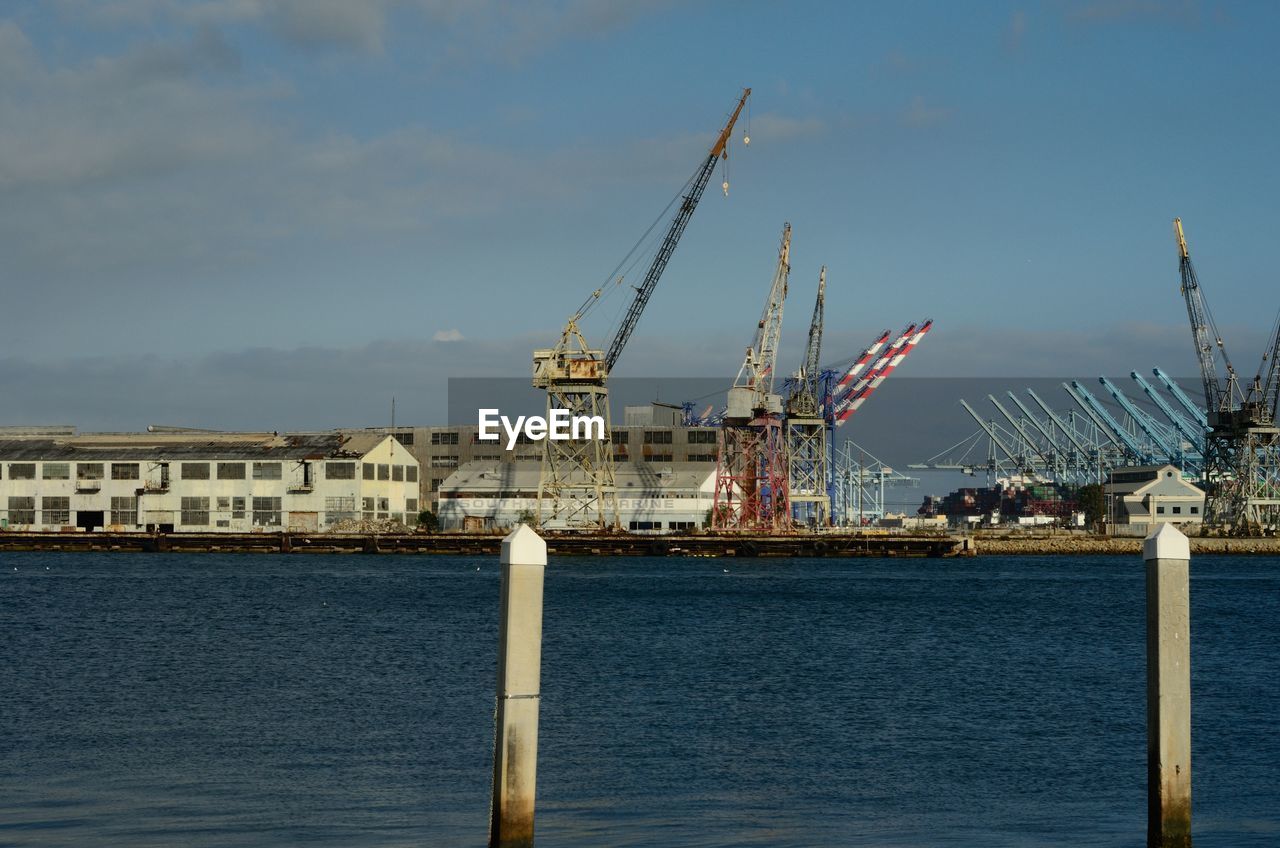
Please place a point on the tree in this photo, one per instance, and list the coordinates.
(427, 521)
(1093, 503)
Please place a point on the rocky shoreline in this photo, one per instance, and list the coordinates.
(1069, 544)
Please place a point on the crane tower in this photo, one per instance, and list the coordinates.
(576, 487)
(1241, 470)
(806, 436)
(751, 474)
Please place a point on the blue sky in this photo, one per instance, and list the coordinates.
(246, 213)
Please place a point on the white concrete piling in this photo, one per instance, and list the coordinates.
(515, 741)
(1168, 559)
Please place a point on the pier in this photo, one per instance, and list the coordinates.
(475, 544)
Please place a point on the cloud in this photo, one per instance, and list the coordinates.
(260, 388)
(322, 24)
(899, 63)
(447, 336)
(921, 114)
(1015, 33)
(1184, 12)
(773, 127)
(165, 160)
(494, 31)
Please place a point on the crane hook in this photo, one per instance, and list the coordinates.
(725, 185)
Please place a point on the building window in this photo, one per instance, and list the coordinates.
(340, 470)
(237, 508)
(266, 471)
(195, 471)
(384, 471)
(56, 510)
(702, 437)
(384, 504)
(1159, 510)
(230, 470)
(367, 503)
(657, 437)
(124, 510)
(411, 473)
(1177, 510)
(56, 471)
(368, 470)
(702, 457)
(22, 510)
(444, 462)
(659, 457)
(397, 473)
(405, 438)
(224, 504)
(266, 511)
(22, 471)
(435, 485)
(1195, 510)
(444, 438)
(125, 471)
(89, 470)
(195, 511)
(411, 506)
(340, 509)
(619, 437)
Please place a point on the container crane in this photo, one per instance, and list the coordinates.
(1167, 442)
(1197, 414)
(576, 486)
(1192, 433)
(751, 474)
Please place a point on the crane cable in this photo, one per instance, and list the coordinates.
(632, 256)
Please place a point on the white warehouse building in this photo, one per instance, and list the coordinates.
(652, 497)
(205, 482)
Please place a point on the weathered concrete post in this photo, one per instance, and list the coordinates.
(515, 740)
(1168, 559)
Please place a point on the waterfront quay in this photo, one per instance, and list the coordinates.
(478, 544)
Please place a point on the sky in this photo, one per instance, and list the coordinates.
(279, 214)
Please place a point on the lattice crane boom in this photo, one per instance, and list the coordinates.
(1270, 391)
(1217, 397)
(697, 185)
(804, 395)
(761, 360)
(813, 350)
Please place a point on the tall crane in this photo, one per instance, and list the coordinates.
(751, 475)
(1241, 471)
(806, 436)
(576, 486)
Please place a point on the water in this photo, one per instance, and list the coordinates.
(241, 700)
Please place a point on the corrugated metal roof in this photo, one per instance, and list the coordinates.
(137, 447)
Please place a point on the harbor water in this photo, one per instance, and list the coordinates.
(222, 700)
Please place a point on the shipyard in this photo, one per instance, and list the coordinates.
(602, 424)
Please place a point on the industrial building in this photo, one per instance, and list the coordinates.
(192, 481)
(652, 496)
(650, 435)
(1140, 497)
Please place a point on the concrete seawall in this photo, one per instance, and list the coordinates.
(575, 544)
